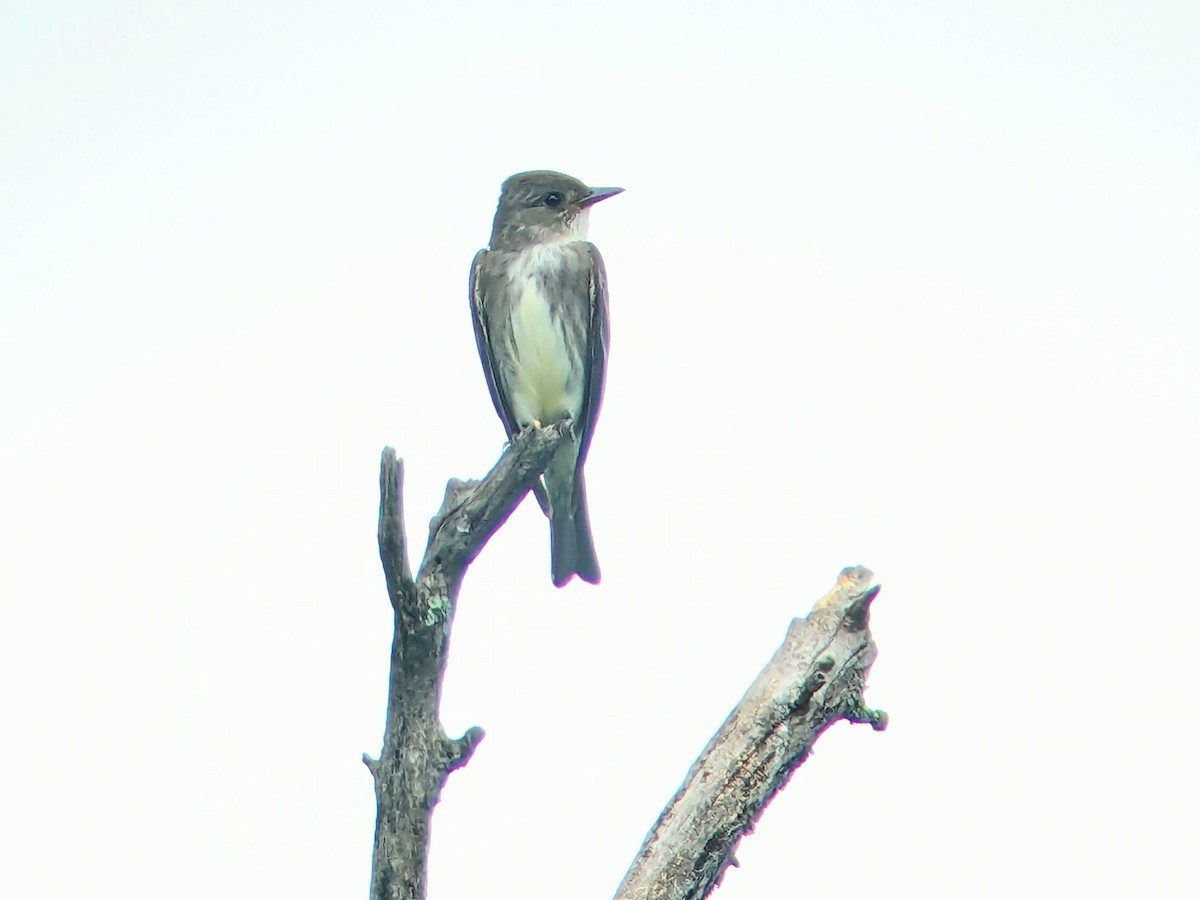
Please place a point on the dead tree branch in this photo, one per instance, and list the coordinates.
(417, 754)
(814, 679)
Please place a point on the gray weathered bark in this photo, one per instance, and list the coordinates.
(417, 755)
(814, 679)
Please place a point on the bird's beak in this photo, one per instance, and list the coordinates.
(596, 194)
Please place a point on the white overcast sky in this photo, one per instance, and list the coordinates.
(910, 285)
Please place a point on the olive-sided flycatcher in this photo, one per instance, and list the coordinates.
(540, 306)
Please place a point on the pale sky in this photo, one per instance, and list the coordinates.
(910, 286)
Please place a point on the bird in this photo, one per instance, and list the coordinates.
(539, 304)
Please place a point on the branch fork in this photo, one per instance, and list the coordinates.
(814, 679)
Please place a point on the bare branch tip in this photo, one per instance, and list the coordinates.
(391, 472)
(852, 589)
(855, 576)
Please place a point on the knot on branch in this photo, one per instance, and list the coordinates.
(460, 750)
(433, 599)
(876, 718)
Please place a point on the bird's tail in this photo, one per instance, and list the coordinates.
(571, 549)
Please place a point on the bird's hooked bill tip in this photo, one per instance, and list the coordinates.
(596, 194)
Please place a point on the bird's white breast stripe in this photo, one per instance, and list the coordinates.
(547, 381)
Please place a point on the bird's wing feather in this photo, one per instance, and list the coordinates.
(479, 317)
(597, 348)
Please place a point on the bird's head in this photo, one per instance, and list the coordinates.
(543, 208)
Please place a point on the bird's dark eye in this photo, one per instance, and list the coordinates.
(553, 200)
